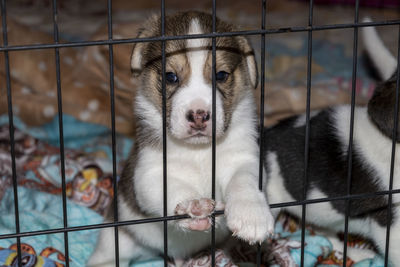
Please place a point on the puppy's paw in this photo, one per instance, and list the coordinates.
(196, 208)
(250, 219)
(199, 210)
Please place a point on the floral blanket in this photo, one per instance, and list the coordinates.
(88, 171)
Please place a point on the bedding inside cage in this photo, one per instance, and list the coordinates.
(88, 145)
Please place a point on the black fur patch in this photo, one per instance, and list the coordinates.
(328, 166)
(381, 107)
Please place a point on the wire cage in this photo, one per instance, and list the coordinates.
(262, 32)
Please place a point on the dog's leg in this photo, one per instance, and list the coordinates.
(200, 210)
(104, 254)
(247, 212)
(189, 201)
(383, 59)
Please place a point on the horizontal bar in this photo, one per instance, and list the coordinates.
(98, 226)
(198, 36)
(179, 217)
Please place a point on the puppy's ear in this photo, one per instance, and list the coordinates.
(151, 29)
(250, 58)
(137, 56)
(381, 107)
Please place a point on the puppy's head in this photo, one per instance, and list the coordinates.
(381, 107)
(188, 76)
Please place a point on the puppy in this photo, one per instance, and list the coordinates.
(189, 131)
(328, 163)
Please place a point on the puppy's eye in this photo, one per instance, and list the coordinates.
(171, 78)
(221, 76)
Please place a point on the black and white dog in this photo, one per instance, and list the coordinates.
(189, 124)
(328, 160)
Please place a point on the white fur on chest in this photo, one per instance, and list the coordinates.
(192, 164)
(189, 167)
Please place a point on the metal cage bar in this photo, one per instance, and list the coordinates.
(393, 156)
(61, 131)
(5, 48)
(214, 126)
(307, 131)
(350, 145)
(261, 119)
(113, 138)
(197, 36)
(11, 129)
(180, 217)
(164, 125)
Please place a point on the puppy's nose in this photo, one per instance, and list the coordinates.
(198, 119)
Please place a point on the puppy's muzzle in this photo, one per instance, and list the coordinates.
(198, 120)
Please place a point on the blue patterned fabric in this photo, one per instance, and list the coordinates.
(43, 211)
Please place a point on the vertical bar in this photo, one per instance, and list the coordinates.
(392, 161)
(164, 122)
(61, 132)
(113, 139)
(11, 128)
(350, 147)
(307, 132)
(214, 93)
(261, 123)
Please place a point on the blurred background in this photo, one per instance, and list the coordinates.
(85, 87)
(85, 70)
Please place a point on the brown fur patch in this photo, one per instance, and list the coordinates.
(233, 55)
(126, 186)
